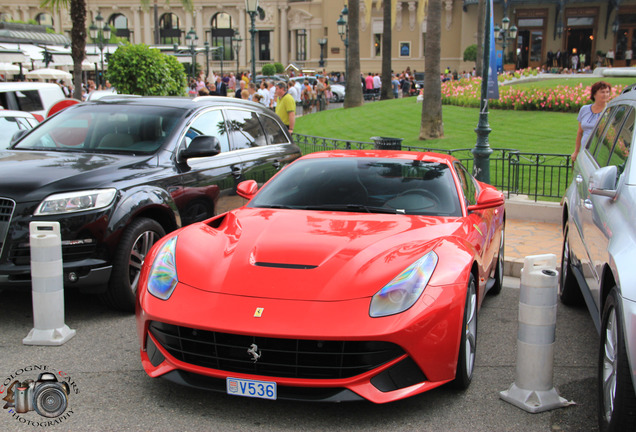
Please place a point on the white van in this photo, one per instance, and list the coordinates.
(34, 97)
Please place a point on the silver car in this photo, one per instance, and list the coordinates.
(598, 260)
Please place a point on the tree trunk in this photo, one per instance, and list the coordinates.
(481, 16)
(385, 90)
(353, 90)
(78, 43)
(431, 126)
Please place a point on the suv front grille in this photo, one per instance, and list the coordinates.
(6, 212)
(290, 358)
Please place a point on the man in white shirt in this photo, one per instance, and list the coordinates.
(377, 83)
(265, 95)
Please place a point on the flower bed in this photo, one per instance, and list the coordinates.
(562, 98)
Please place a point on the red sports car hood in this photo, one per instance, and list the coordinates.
(304, 255)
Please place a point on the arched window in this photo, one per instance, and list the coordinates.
(221, 34)
(44, 19)
(120, 23)
(169, 31)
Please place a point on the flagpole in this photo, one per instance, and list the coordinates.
(482, 151)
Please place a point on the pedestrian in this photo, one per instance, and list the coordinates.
(239, 91)
(628, 57)
(285, 106)
(395, 86)
(265, 95)
(610, 57)
(307, 97)
(319, 89)
(589, 114)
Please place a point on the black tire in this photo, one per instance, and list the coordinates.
(616, 398)
(499, 270)
(49, 400)
(134, 244)
(468, 343)
(569, 291)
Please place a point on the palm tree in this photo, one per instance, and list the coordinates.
(431, 125)
(77, 9)
(353, 90)
(385, 91)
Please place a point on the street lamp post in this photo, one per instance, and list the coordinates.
(343, 31)
(206, 44)
(322, 42)
(252, 10)
(100, 36)
(191, 40)
(504, 34)
(222, 51)
(236, 44)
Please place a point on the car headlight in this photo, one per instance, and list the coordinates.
(404, 290)
(162, 279)
(71, 202)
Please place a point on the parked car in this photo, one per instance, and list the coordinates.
(350, 275)
(119, 173)
(12, 122)
(599, 251)
(34, 97)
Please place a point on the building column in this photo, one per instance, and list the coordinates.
(198, 24)
(149, 27)
(137, 36)
(284, 49)
(245, 35)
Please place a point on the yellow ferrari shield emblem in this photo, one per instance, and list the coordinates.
(259, 312)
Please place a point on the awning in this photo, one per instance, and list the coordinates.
(8, 56)
(33, 37)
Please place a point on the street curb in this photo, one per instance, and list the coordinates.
(513, 266)
(520, 207)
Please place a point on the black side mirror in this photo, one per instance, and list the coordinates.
(202, 146)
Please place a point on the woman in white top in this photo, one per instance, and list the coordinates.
(589, 114)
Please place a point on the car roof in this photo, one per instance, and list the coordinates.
(32, 85)
(180, 102)
(395, 154)
(13, 113)
(628, 94)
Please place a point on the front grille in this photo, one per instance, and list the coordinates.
(288, 358)
(6, 212)
(21, 254)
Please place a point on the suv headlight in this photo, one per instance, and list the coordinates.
(71, 202)
(404, 290)
(162, 279)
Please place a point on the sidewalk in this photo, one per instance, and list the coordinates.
(531, 229)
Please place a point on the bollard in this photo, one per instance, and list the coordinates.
(47, 286)
(532, 390)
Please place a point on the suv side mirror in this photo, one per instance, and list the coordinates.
(202, 146)
(603, 181)
(488, 198)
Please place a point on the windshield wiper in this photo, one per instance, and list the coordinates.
(273, 206)
(354, 207)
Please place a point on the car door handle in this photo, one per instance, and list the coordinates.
(579, 179)
(236, 172)
(276, 164)
(588, 204)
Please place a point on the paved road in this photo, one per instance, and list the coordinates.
(116, 395)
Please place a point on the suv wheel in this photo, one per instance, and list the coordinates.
(617, 402)
(135, 243)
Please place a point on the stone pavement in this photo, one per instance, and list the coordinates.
(531, 229)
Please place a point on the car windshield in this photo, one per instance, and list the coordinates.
(373, 185)
(104, 128)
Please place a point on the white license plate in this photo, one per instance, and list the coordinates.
(251, 388)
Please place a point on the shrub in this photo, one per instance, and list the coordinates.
(268, 69)
(470, 53)
(145, 71)
(279, 68)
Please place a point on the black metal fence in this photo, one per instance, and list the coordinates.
(517, 173)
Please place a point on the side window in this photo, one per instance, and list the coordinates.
(29, 100)
(606, 143)
(623, 144)
(468, 184)
(245, 129)
(210, 123)
(275, 134)
(595, 137)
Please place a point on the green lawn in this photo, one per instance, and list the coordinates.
(527, 131)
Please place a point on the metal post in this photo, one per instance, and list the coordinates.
(482, 151)
(222, 55)
(253, 34)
